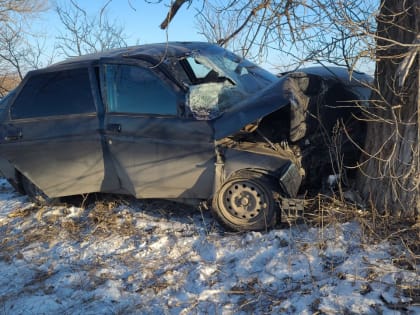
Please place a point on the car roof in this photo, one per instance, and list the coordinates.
(152, 51)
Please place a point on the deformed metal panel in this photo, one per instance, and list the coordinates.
(250, 110)
(163, 157)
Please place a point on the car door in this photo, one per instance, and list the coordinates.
(157, 152)
(51, 132)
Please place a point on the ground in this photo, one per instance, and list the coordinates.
(126, 256)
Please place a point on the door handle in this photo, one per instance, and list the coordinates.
(13, 135)
(115, 128)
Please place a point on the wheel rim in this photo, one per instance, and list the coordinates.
(243, 200)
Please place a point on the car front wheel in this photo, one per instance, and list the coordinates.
(245, 202)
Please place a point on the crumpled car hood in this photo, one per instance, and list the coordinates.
(291, 88)
(250, 110)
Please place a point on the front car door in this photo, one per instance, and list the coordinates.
(50, 132)
(157, 152)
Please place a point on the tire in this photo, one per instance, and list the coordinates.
(36, 194)
(245, 202)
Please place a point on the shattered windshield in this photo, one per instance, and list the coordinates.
(220, 79)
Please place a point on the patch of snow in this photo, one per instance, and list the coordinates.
(165, 258)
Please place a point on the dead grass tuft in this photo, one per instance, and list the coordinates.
(376, 227)
(72, 227)
(106, 217)
(42, 234)
(22, 212)
(324, 211)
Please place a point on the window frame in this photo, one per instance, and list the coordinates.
(53, 70)
(156, 71)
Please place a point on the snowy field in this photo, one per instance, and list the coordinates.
(138, 257)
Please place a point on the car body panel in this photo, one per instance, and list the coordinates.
(62, 156)
(289, 89)
(250, 110)
(155, 156)
(166, 157)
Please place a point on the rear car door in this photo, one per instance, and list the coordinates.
(51, 132)
(156, 151)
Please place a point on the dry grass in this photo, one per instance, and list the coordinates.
(325, 211)
(49, 225)
(103, 218)
(106, 218)
(22, 212)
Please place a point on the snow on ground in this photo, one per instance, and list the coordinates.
(138, 257)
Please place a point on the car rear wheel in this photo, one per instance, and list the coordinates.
(36, 194)
(245, 202)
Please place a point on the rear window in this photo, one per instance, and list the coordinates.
(55, 93)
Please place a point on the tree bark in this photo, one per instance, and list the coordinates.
(390, 173)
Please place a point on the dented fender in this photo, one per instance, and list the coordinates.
(230, 160)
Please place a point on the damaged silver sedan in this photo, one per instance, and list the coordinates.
(187, 121)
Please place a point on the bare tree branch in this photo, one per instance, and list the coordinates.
(253, 12)
(83, 34)
(18, 54)
(175, 6)
(408, 62)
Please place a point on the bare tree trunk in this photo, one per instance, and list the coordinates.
(390, 172)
